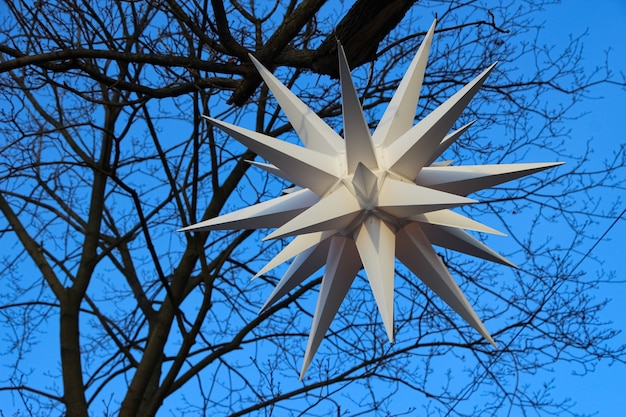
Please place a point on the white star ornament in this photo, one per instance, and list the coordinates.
(363, 200)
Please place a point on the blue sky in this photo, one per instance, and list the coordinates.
(605, 21)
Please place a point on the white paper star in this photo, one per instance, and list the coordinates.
(366, 199)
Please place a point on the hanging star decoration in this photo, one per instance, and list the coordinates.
(363, 200)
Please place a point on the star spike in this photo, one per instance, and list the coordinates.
(447, 142)
(271, 169)
(303, 266)
(334, 211)
(404, 199)
(376, 241)
(313, 131)
(408, 155)
(272, 213)
(461, 241)
(445, 163)
(416, 252)
(308, 168)
(297, 245)
(399, 115)
(466, 179)
(450, 218)
(341, 268)
(359, 146)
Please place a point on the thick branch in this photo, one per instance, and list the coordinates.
(60, 61)
(360, 32)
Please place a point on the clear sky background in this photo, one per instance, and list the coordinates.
(605, 20)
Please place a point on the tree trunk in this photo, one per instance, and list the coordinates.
(74, 390)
